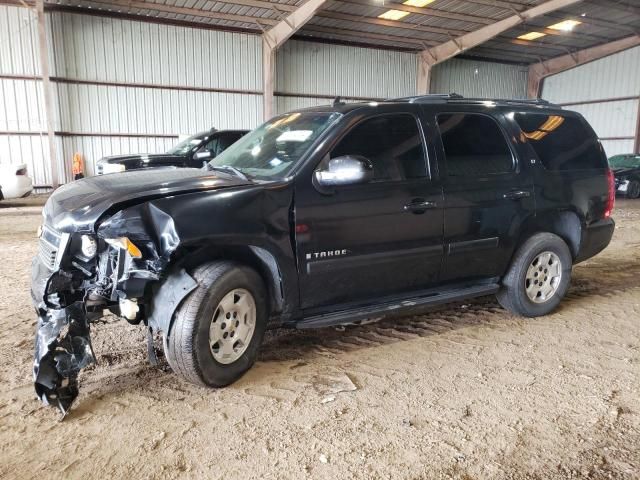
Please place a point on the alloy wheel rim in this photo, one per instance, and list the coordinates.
(543, 277)
(232, 326)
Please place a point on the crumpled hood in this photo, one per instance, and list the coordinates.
(77, 206)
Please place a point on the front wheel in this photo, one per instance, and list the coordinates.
(218, 328)
(538, 277)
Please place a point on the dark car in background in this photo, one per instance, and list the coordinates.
(626, 169)
(192, 152)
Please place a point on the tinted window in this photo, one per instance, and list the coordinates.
(474, 145)
(226, 140)
(210, 146)
(561, 143)
(393, 144)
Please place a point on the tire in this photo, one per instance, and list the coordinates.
(187, 346)
(633, 189)
(516, 289)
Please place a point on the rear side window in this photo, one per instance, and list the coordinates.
(392, 143)
(561, 143)
(474, 145)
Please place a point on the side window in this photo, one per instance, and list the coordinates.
(392, 143)
(561, 143)
(225, 141)
(210, 146)
(474, 145)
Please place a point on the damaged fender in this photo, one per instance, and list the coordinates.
(166, 299)
(173, 219)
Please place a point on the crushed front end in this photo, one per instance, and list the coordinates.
(75, 278)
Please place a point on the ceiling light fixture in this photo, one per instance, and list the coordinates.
(393, 15)
(565, 26)
(531, 36)
(418, 3)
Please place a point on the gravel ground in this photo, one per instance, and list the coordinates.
(466, 391)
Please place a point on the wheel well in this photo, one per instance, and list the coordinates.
(565, 224)
(259, 259)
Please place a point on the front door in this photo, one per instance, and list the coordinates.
(365, 242)
(487, 193)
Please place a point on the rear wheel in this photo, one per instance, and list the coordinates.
(538, 277)
(633, 189)
(218, 328)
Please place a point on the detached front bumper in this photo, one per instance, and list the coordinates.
(62, 349)
(62, 344)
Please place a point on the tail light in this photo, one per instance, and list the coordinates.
(22, 171)
(611, 196)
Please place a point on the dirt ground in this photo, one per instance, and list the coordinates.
(466, 391)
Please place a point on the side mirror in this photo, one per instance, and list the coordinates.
(203, 155)
(346, 170)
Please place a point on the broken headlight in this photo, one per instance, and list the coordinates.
(88, 246)
(125, 244)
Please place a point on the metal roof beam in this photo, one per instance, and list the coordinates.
(273, 38)
(465, 42)
(541, 70)
(282, 31)
(434, 55)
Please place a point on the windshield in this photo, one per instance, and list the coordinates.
(271, 150)
(186, 145)
(625, 161)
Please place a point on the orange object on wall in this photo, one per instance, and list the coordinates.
(78, 166)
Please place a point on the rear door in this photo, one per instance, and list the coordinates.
(487, 193)
(368, 241)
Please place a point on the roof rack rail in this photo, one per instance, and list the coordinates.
(429, 98)
(457, 98)
(511, 101)
(532, 101)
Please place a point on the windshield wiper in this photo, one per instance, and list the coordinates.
(228, 168)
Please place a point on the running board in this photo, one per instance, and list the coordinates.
(381, 310)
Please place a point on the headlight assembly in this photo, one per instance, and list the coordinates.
(88, 246)
(125, 244)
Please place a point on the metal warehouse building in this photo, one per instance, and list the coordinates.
(126, 76)
(320, 239)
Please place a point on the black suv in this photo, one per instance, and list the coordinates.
(324, 216)
(193, 152)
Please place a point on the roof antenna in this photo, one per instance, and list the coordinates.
(337, 101)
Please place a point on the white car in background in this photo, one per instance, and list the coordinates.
(14, 181)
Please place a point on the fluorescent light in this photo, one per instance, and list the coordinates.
(531, 36)
(565, 26)
(393, 15)
(418, 3)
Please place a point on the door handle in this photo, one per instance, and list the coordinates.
(419, 205)
(516, 194)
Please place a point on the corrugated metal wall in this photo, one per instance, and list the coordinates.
(310, 68)
(606, 92)
(22, 118)
(472, 78)
(150, 82)
(124, 86)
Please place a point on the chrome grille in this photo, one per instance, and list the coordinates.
(48, 247)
